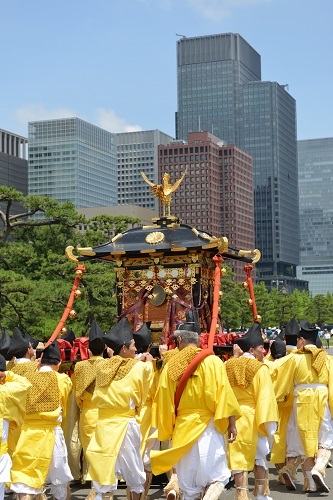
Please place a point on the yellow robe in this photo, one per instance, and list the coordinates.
(281, 371)
(22, 369)
(207, 396)
(13, 394)
(89, 411)
(32, 456)
(146, 413)
(258, 405)
(311, 402)
(114, 411)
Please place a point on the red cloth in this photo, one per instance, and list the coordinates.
(65, 348)
(219, 339)
(80, 348)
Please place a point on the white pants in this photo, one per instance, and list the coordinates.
(129, 463)
(152, 444)
(325, 433)
(5, 461)
(59, 474)
(262, 451)
(203, 464)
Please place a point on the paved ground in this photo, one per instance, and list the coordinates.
(277, 491)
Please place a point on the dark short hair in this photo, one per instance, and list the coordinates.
(117, 351)
(96, 346)
(49, 361)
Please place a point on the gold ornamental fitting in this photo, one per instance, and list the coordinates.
(157, 296)
(249, 302)
(63, 330)
(72, 314)
(223, 271)
(219, 309)
(245, 284)
(154, 237)
(79, 273)
(220, 294)
(77, 294)
(258, 318)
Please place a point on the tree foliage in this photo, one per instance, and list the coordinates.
(36, 278)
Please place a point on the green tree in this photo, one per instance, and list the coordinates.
(319, 309)
(53, 212)
(235, 312)
(36, 276)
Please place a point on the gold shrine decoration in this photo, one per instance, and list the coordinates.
(164, 191)
(157, 295)
(154, 237)
(252, 254)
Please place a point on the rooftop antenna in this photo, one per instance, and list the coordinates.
(199, 124)
(182, 36)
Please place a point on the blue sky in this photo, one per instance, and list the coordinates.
(113, 62)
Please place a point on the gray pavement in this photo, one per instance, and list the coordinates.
(278, 491)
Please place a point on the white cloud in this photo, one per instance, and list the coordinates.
(218, 9)
(109, 120)
(35, 112)
(104, 118)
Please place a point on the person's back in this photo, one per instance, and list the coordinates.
(207, 409)
(310, 429)
(13, 393)
(84, 381)
(41, 442)
(122, 384)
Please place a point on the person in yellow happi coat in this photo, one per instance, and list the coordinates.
(122, 384)
(207, 411)
(22, 361)
(310, 427)
(281, 370)
(251, 382)
(41, 454)
(84, 379)
(13, 393)
(149, 441)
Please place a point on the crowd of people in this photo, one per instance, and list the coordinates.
(203, 420)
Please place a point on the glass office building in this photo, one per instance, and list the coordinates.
(72, 160)
(220, 91)
(13, 165)
(315, 168)
(137, 152)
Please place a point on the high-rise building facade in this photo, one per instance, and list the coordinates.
(13, 165)
(13, 161)
(315, 171)
(220, 91)
(72, 160)
(216, 195)
(136, 153)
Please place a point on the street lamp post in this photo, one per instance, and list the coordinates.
(277, 283)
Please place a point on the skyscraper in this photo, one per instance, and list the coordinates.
(216, 195)
(13, 161)
(72, 160)
(315, 170)
(220, 91)
(13, 164)
(137, 152)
